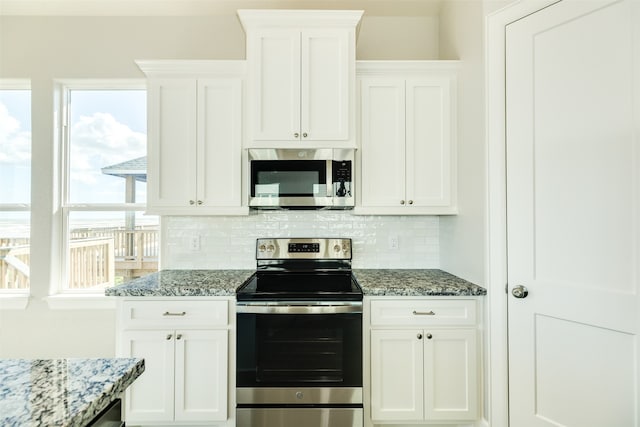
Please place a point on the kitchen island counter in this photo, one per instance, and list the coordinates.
(183, 283)
(411, 283)
(61, 392)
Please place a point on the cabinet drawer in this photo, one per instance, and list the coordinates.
(421, 312)
(174, 314)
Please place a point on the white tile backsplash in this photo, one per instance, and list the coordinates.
(229, 242)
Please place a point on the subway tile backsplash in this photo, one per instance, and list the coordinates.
(229, 242)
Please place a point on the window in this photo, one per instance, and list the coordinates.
(15, 185)
(108, 239)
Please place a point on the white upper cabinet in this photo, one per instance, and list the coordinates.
(407, 154)
(301, 67)
(195, 137)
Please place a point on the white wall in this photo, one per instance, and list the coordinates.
(462, 237)
(46, 48)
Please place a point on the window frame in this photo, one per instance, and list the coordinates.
(18, 298)
(61, 296)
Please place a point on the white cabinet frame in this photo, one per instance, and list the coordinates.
(407, 158)
(195, 137)
(301, 67)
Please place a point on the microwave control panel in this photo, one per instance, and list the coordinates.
(341, 178)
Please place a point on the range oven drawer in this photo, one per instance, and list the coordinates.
(307, 417)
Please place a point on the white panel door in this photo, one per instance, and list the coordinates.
(172, 142)
(429, 141)
(451, 374)
(275, 85)
(201, 375)
(397, 376)
(383, 142)
(326, 88)
(573, 208)
(150, 397)
(219, 142)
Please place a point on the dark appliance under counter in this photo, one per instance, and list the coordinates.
(299, 337)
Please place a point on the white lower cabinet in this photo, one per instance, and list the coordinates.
(186, 361)
(421, 368)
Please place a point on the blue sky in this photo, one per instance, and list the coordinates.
(107, 127)
(15, 146)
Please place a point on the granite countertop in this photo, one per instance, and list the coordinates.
(374, 282)
(390, 282)
(61, 392)
(183, 283)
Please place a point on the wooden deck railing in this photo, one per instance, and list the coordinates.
(97, 257)
(91, 263)
(14, 267)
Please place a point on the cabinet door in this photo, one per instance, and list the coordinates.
(275, 90)
(429, 141)
(201, 375)
(150, 397)
(326, 85)
(396, 375)
(219, 142)
(383, 142)
(451, 374)
(172, 142)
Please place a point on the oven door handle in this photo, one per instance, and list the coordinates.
(298, 309)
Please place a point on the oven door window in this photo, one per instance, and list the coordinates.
(288, 178)
(285, 350)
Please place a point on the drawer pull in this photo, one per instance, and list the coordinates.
(424, 313)
(168, 313)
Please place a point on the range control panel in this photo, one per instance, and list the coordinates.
(313, 248)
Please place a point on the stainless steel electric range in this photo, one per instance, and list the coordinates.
(299, 337)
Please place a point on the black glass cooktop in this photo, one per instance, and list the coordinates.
(300, 286)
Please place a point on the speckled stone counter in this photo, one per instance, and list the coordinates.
(183, 283)
(415, 283)
(61, 392)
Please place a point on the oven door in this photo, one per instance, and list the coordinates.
(298, 347)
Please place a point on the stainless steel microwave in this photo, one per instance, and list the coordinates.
(301, 178)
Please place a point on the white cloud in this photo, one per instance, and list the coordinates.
(15, 142)
(97, 141)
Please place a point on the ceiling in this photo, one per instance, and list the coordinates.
(208, 7)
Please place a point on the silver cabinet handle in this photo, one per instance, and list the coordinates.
(419, 336)
(402, 202)
(410, 202)
(304, 135)
(179, 336)
(296, 135)
(168, 313)
(424, 313)
(429, 336)
(169, 337)
(520, 292)
(199, 202)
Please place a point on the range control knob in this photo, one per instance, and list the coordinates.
(337, 248)
(271, 248)
(262, 248)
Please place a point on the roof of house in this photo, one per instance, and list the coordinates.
(134, 167)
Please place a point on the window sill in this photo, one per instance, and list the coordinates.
(80, 302)
(14, 301)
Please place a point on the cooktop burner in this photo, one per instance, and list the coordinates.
(302, 270)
